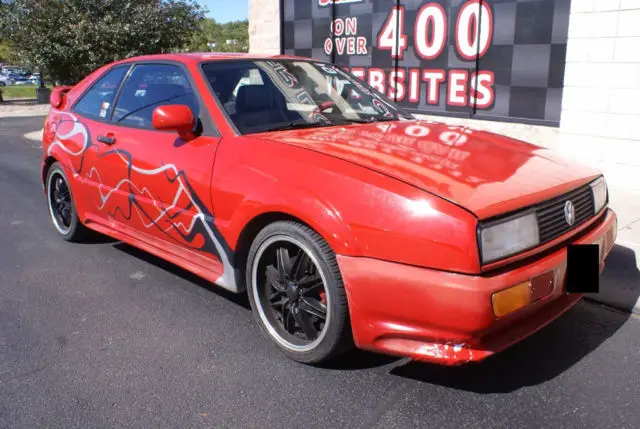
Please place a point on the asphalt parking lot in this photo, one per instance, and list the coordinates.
(102, 335)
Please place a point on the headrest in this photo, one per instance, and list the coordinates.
(253, 98)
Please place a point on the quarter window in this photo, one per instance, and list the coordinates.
(150, 86)
(98, 101)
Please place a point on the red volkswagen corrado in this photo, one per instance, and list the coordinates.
(347, 220)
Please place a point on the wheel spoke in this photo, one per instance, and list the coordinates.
(286, 318)
(283, 263)
(311, 284)
(58, 184)
(299, 265)
(305, 324)
(314, 307)
(280, 303)
(274, 295)
(66, 215)
(273, 277)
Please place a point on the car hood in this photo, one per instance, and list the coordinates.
(486, 173)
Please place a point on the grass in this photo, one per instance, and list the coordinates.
(19, 91)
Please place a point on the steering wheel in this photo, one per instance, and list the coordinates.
(322, 107)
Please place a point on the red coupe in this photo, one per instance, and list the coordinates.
(347, 220)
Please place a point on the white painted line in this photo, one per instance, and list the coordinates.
(34, 135)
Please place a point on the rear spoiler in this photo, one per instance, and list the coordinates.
(57, 98)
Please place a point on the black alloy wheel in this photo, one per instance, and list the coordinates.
(293, 292)
(297, 293)
(62, 208)
(60, 197)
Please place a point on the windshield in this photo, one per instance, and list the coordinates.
(270, 95)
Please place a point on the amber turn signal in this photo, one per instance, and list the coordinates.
(511, 299)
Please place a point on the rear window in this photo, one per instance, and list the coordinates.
(97, 102)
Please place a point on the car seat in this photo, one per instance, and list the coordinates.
(258, 106)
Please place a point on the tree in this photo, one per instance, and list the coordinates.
(66, 40)
(5, 51)
(212, 31)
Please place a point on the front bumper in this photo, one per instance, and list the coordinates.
(447, 318)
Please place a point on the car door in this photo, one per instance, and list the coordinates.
(76, 130)
(154, 186)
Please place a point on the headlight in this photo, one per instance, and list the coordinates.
(599, 189)
(510, 237)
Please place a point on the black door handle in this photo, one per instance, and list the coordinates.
(107, 139)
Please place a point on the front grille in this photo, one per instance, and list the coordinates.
(551, 217)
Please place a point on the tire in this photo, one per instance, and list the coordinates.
(3, 84)
(304, 298)
(68, 225)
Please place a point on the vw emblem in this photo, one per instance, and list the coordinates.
(569, 213)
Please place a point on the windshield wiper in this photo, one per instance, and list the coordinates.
(299, 125)
(371, 120)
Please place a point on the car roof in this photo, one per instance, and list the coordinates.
(189, 57)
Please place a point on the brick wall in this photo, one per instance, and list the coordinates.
(601, 101)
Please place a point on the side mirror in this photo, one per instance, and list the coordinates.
(175, 117)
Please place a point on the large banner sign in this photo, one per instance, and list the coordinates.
(487, 59)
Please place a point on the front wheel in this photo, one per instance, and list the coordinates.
(62, 208)
(297, 294)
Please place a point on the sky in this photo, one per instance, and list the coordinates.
(227, 10)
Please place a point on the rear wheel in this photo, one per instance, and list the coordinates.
(297, 294)
(62, 208)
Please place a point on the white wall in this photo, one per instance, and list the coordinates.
(264, 27)
(601, 99)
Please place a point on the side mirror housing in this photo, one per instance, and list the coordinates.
(175, 117)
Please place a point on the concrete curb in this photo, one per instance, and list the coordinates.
(620, 281)
(23, 111)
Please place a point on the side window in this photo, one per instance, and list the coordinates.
(150, 86)
(98, 101)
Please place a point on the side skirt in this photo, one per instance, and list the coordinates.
(191, 261)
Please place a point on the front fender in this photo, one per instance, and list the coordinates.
(316, 212)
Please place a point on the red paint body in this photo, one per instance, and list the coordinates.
(399, 203)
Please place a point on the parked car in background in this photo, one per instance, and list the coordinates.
(10, 70)
(22, 81)
(345, 219)
(5, 81)
(34, 79)
(15, 76)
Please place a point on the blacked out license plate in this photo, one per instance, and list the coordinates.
(583, 268)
